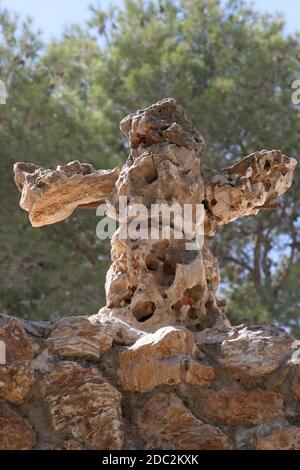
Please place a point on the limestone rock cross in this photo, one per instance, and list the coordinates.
(156, 282)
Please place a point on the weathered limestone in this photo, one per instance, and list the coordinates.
(159, 367)
(78, 337)
(295, 387)
(16, 433)
(165, 423)
(164, 390)
(71, 444)
(81, 402)
(253, 183)
(118, 330)
(52, 195)
(236, 406)
(16, 375)
(160, 358)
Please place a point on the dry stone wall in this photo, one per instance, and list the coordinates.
(80, 384)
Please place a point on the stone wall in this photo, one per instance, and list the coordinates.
(98, 383)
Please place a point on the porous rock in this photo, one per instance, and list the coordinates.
(51, 195)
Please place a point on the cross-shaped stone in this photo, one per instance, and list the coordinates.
(152, 283)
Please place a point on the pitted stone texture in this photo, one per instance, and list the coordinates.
(165, 423)
(255, 351)
(164, 121)
(81, 402)
(165, 173)
(78, 337)
(154, 283)
(281, 439)
(16, 432)
(247, 186)
(239, 407)
(16, 375)
(160, 358)
(160, 281)
(52, 195)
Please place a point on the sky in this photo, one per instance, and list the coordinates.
(52, 16)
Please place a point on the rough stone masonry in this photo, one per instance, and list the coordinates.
(160, 366)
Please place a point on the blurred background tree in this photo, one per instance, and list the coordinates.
(230, 67)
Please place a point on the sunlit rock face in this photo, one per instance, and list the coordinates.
(160, 366)
(100, 384)
(159, 283)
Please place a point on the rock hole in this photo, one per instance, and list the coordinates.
(150, 178)
(143, 311)
(192, 313)
(151, 264)
(168, 268)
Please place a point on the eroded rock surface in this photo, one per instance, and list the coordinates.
(165, 423)
(164, 357)
(51, 195)
(16, 374)
(16, 432)
(162, 390)
(253, 183)
(255, 351)
(81, 402)
(236, 406)
(296, 383)
(78, 337)
(121, 332)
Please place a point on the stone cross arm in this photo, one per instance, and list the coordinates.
(51, 195)
(251, 184)
(160, 282)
